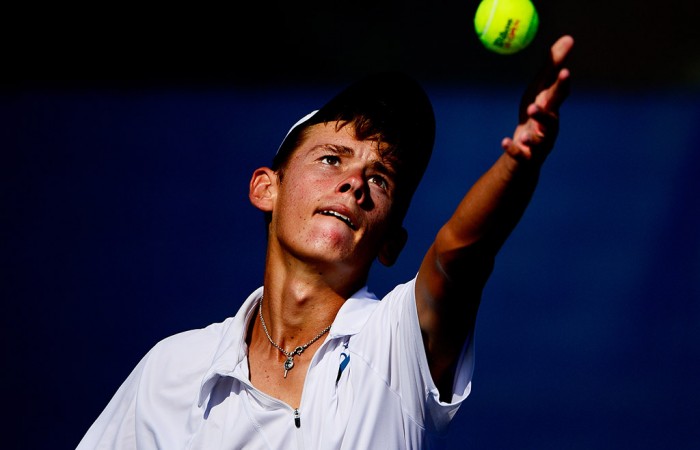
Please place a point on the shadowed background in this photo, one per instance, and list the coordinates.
(128, 137)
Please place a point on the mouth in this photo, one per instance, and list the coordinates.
(340, 217)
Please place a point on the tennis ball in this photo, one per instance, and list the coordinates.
(506, 26)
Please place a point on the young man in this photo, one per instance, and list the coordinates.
(312, 359)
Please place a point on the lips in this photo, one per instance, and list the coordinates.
(342, 217)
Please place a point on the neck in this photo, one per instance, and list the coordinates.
(300, 277)
(303, 297)
(295, 309)
(297, 312)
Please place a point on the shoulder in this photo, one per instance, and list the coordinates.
(399, 301)
(367, 317)
(404, 292)
(190, 351)
(197, 349)
(364, 307)
(190, 343)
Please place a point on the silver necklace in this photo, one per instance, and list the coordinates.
(289, 362)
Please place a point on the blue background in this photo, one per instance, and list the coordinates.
(124, 213)
(126, 220)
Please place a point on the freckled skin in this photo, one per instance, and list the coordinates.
(310, 185)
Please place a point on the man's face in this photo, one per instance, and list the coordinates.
(334, 200)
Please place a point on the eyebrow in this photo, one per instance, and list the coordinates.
(377, 165)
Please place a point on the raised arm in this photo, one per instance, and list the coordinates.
(459, 262)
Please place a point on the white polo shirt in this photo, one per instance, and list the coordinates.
(192, 390)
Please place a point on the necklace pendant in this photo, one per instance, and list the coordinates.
(288, 364)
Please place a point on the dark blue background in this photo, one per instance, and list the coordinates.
(125, 219)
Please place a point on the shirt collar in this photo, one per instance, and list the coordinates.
(232, 349)
(354, 313)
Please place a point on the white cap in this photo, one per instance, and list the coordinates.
(299, 122)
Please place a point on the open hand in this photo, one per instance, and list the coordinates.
(538, 126)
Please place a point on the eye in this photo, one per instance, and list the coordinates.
(379, 180)
(331, 160)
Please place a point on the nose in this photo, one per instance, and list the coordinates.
(355, 185)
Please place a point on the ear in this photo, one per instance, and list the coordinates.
(263, 189)
(391, 249)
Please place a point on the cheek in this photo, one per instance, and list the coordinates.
(311, 187)
(293, 188)
(381, 211)
(299, 197)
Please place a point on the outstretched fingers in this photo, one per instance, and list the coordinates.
(539, 108)
(552, 97)
(551, 86)
(561, 49)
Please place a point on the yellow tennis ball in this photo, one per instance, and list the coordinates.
(506, 26)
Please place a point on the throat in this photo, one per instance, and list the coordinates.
(292, 353)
